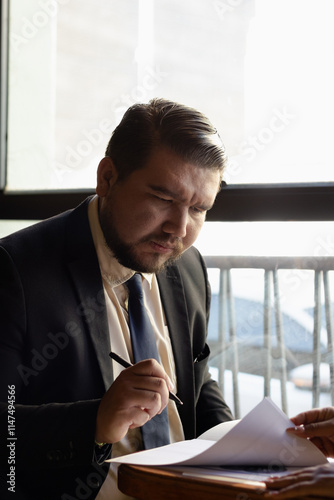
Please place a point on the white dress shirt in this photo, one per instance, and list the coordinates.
(114, 276)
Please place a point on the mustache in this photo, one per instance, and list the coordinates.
(175, 242)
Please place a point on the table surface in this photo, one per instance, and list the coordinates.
(152, 483)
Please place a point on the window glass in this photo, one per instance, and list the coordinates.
(260, 69)
(251, 248)
(10, 226)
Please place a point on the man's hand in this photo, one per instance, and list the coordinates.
(313, 481)
(137, 395)
(318, 425)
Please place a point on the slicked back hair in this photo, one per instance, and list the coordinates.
(162, 123)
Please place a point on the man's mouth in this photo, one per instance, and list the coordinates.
(162, 247)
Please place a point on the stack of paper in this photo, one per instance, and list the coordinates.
(260, 438)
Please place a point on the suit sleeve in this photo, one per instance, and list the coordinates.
(47, 435)
(211, 408)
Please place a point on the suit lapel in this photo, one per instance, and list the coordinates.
(85, 272)
(175, 307)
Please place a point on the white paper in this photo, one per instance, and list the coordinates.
(219, 431)
(240, 474)
(260, 438)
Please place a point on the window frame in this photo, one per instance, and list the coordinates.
(234, 203)
(4, 50)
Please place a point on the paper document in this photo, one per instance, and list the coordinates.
(260, 438)
(246, 474)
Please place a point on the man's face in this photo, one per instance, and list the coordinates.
(152, 216)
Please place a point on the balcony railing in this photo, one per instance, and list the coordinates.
(226, 340)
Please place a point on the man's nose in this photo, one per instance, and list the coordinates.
(176, 223)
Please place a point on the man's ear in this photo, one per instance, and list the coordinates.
(106, 176)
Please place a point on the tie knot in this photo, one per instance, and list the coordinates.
(135, 285)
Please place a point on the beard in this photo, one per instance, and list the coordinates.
(126, 253)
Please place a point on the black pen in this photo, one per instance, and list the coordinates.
(126, 364)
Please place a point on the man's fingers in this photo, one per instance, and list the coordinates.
(291, 491)
(316, 415)
(283, 481)
(149, 400)
(138, 394)
(151, 368)
(143, 390)
(318, 429)
(138, 417)
(288, 486)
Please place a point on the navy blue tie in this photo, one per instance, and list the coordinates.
(156, 431)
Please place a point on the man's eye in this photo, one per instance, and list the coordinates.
(198, 210)
(167, 200)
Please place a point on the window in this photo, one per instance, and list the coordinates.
(260, 69)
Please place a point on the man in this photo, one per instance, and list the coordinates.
(64, 300)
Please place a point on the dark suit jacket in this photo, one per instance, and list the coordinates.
(54, 347)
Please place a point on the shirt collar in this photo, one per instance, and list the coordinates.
(111, 270)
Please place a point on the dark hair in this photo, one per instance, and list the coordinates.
(183, 130)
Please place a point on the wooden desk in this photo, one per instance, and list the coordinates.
(153, 483)
(150, 483)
